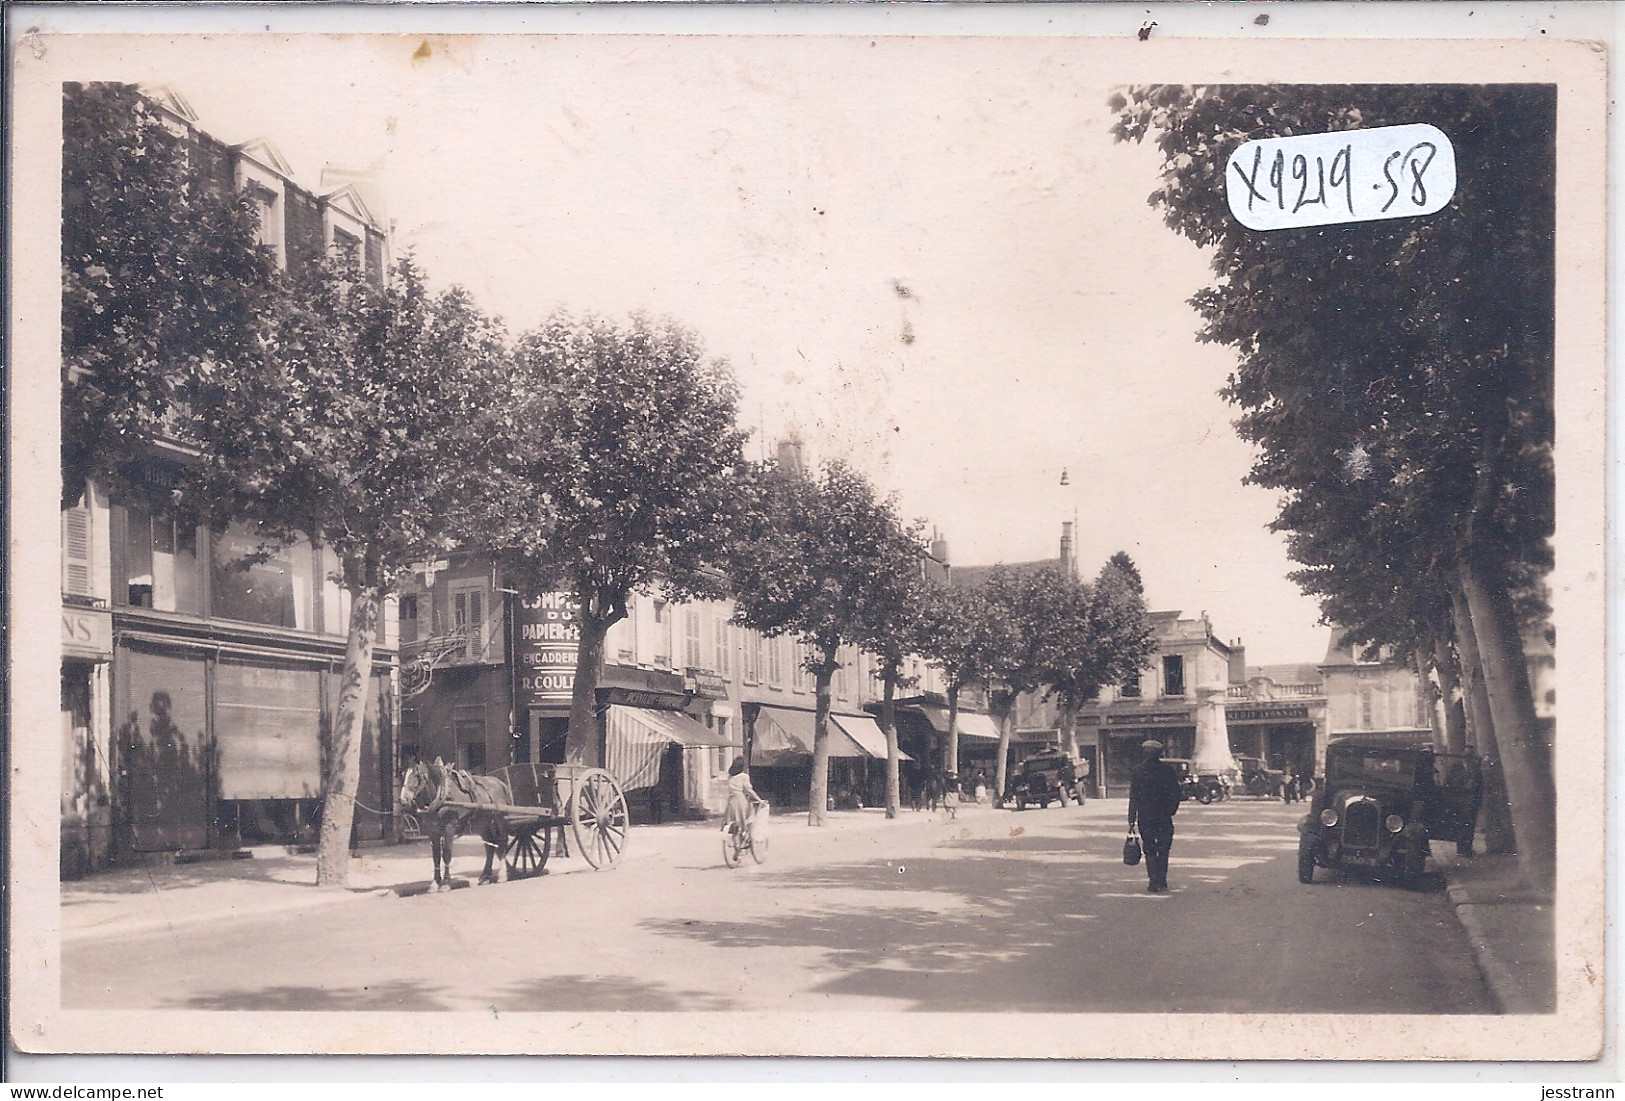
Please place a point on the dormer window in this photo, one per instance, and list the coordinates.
(268, 210)
(347, 248)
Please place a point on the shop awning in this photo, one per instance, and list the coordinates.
(673, 726)
(867, 733)
(785, 736)
(973, 725)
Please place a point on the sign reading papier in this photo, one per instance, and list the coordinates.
(549, 638)
(1346, 176)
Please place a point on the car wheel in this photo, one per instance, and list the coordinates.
(1306, 862)
(1204, 796)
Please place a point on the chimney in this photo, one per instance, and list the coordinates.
(1069, 562)
(1238, 663)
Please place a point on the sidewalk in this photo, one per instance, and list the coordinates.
(276, 881)
(1509, 926)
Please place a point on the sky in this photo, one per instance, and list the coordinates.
(924, 256)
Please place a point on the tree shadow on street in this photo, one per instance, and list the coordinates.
(594, 994)
(400, 996)
(1044, 924)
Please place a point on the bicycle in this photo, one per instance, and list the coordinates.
(750, 837)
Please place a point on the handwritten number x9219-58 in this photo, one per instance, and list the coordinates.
(1279, 183)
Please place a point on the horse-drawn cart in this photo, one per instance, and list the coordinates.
(549, 797)
(526, 804)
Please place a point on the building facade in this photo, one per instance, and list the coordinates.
(488, 673)
(200, 668)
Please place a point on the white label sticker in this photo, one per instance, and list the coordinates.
(1347, 176)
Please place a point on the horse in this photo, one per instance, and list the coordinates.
(425, 791)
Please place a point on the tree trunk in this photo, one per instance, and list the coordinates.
(1525, 759)
(1007, 719)
(818, 789)
(1422, 667)
(344, 766)
(1499, 836)
(582, 746)
(1444, 665)
(888, 723)
(951, 751)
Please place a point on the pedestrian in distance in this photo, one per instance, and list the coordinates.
(950, 795)
(1153, 800)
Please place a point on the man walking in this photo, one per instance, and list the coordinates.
(1153, 800)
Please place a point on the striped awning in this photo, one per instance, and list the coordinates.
(635, 738)
(784, 736)
(973, 725)
(867, 733)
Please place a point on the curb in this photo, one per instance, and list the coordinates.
(1509, 992)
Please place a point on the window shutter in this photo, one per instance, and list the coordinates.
(76, 551)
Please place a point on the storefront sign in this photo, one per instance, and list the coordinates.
(549, 638)
(1161, 718)
(87, 632)
(1267, 713)
(632, 697)
(705, 684)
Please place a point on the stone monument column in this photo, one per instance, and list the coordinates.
(1212, 752)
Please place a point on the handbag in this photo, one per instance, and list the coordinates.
(1131, 849)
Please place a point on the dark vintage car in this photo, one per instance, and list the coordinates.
(1257, 778)
(1382, 804)
(1045, 778)
(1204, 787)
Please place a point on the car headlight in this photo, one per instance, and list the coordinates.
(1394, 823)
(1328, 817)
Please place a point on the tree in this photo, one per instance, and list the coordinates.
(378, 419)
(963, 633)
(1042, 609)
(893, 611)
(1386, 391)
(632, 438)
(160, 276)
(1107, 639)
(821, 558)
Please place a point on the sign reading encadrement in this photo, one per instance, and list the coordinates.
(549, 638)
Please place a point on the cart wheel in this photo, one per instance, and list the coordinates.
(598, 818)
(528, 849)
(732, 850)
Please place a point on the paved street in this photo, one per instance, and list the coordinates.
(1025, 911)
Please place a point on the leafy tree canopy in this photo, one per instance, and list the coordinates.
(631, 433)
(161, 276)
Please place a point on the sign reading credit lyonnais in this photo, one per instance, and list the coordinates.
(549, 638)
(1347, 176)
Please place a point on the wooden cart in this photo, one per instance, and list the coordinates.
(548, 798)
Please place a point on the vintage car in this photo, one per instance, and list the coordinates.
(1205, 787)
(1257, 778)
(1382, 803)
(1045, 778)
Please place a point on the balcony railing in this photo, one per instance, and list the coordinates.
(1276, 692)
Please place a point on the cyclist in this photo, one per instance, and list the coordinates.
(742, 798)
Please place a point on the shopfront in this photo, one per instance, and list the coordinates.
(87, 776)
(781, 757)
(1279, 735)
(655, 750)
(1120, 738)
